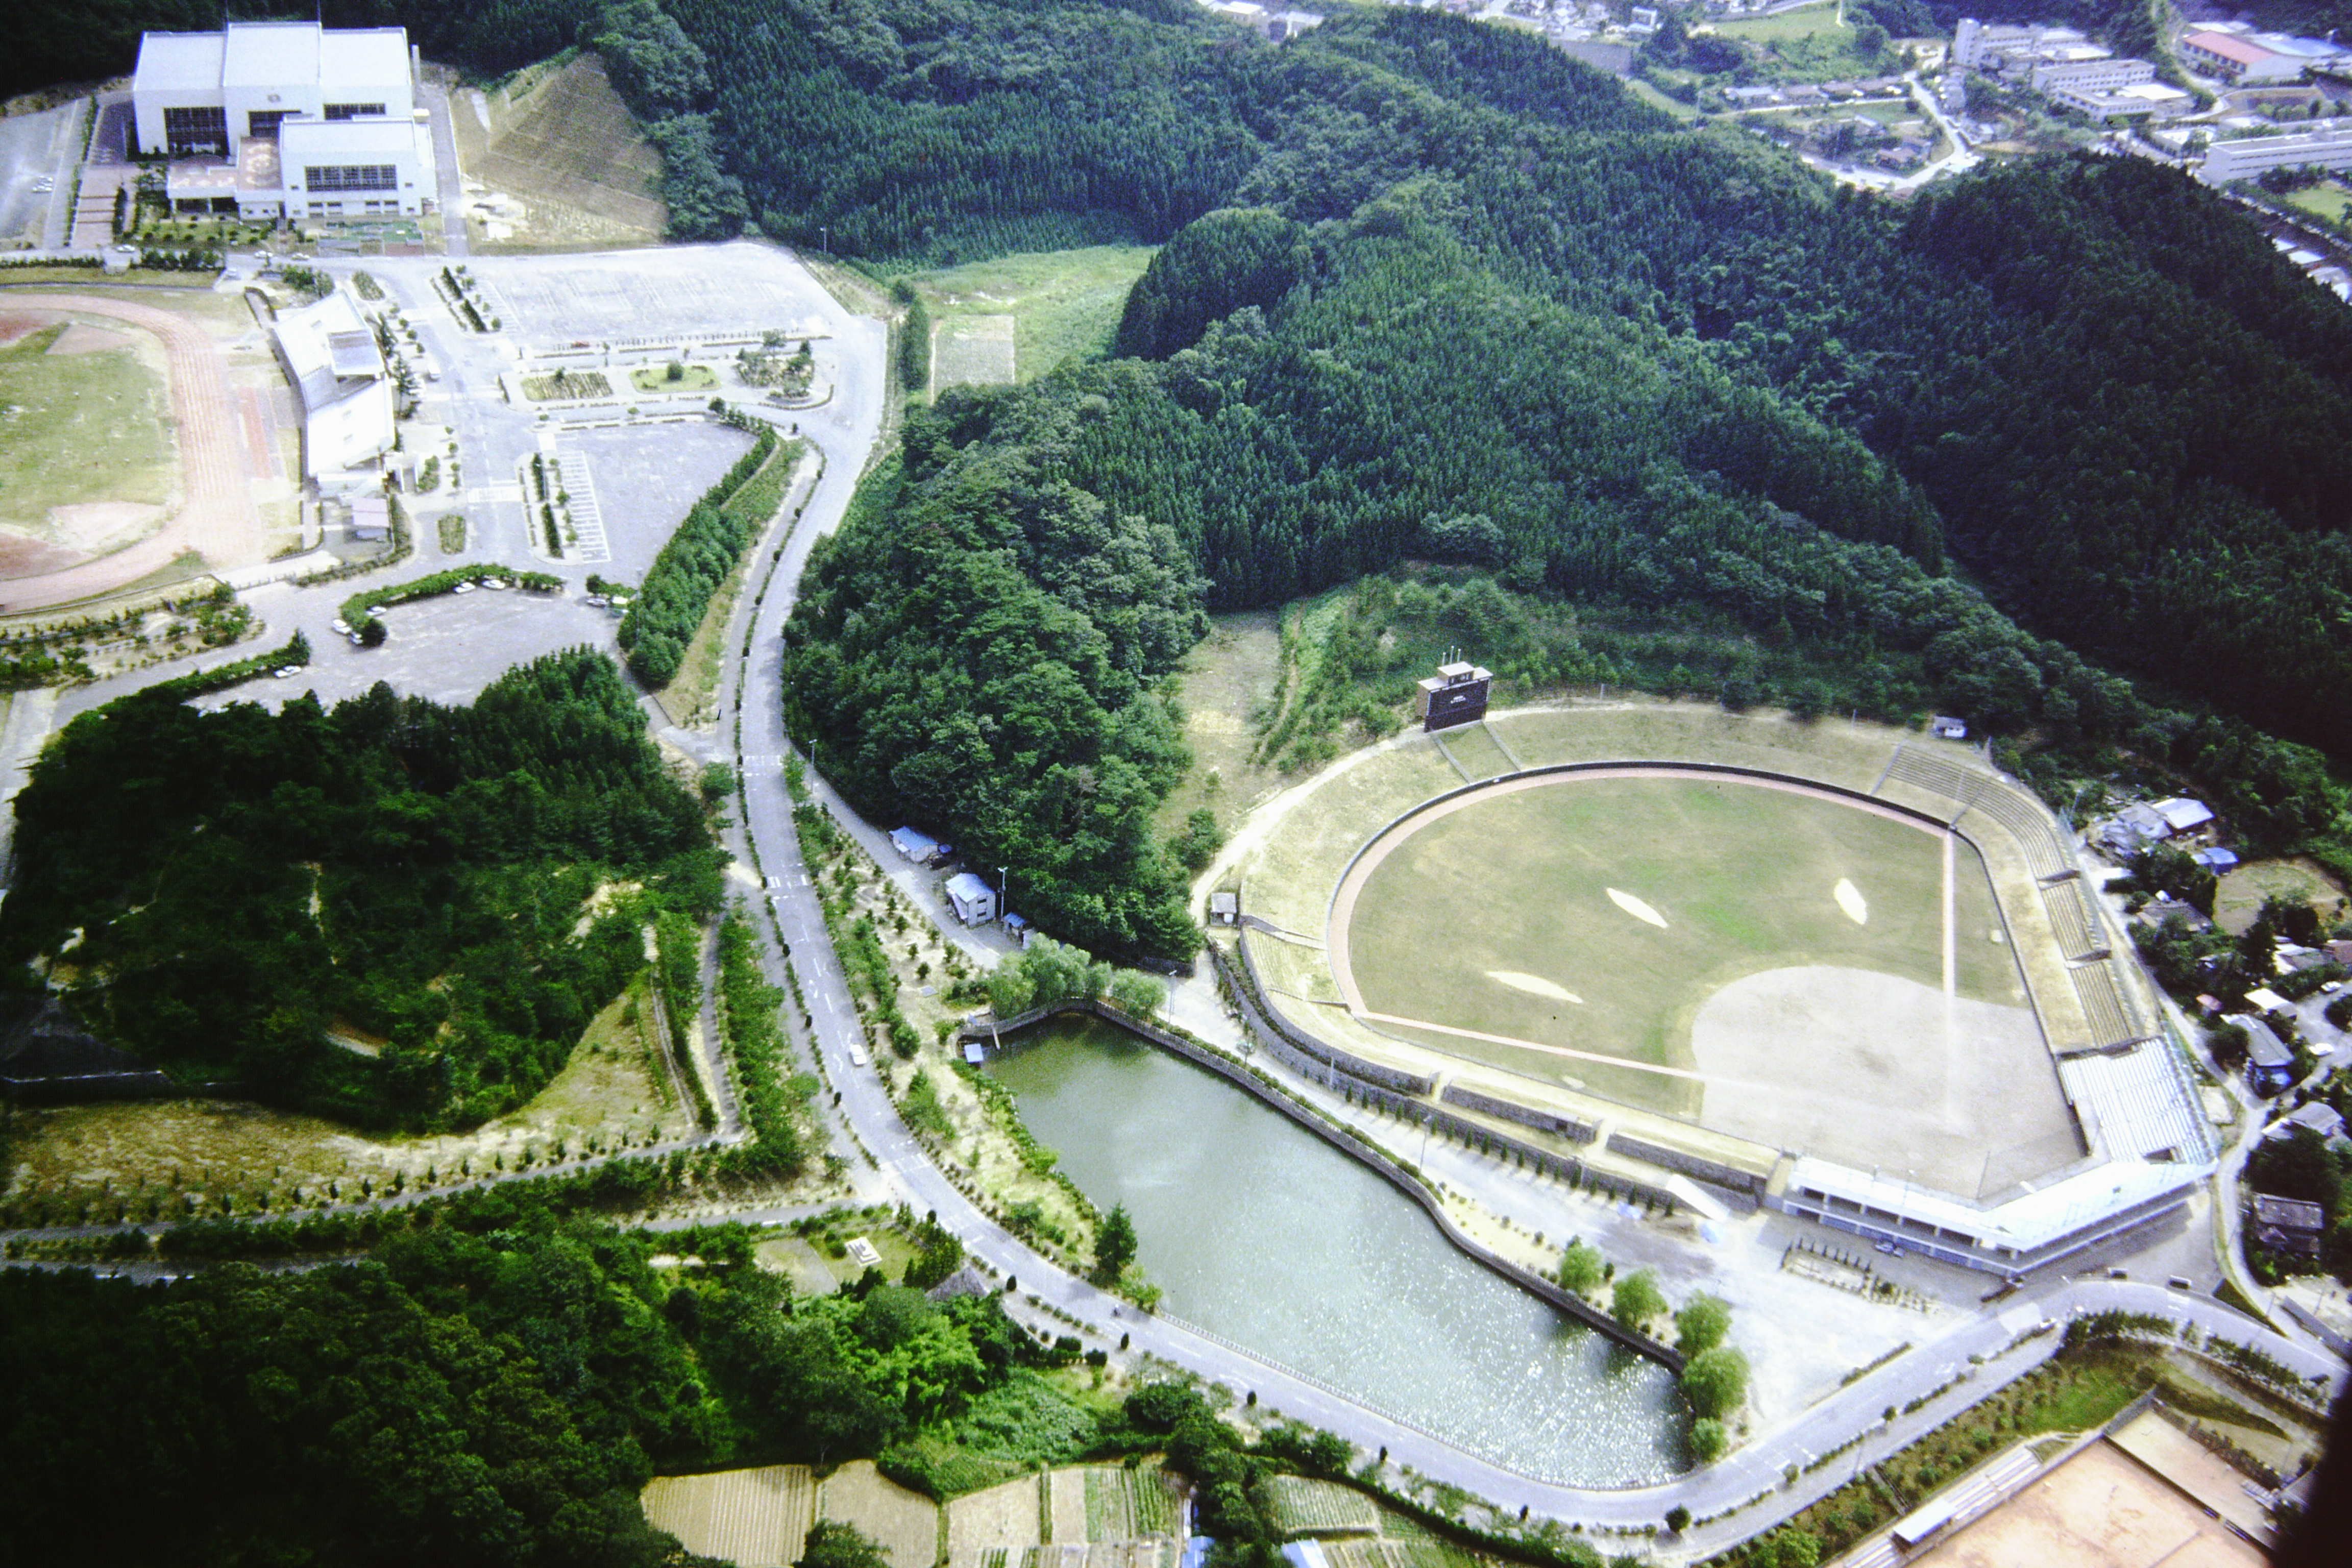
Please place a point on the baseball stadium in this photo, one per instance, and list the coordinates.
(1845, 971)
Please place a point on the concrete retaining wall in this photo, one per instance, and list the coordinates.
(1582, 1131)
(1408, 1182)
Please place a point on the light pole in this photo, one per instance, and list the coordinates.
(1002, 885)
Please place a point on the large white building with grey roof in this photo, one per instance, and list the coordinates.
(287, 119)
(331, 355)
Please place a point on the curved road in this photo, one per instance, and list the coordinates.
(1751, 1473)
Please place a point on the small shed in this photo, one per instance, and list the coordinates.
(974, 900)
(917, 847)
(371, 517)
(2288, 1225)
(2217, 860)
(1018, 928)
(1225, 908)
(974, 1052)
(2317, 1117)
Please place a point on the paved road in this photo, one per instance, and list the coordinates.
(451, 196)
(905, 1173)
(33, 147)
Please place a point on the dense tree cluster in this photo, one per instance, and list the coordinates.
(686, 576)
(221, 892)
(468, 1396)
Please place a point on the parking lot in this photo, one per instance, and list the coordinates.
(34, 148)
(551, 300)
(645, 479)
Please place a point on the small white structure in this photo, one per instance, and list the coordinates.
(1946, 728)
(285, 119)
(371, 517)
(1225, 908)
(1018, 928)
(330, 356)
(919, 847)
(974, 900)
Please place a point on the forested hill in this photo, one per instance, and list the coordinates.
(458, 889)
(1470, 303)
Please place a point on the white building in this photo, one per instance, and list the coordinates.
(974, 901)
(2326, 143)
(330, 356)
(289, 120)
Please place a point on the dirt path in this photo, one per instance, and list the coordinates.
(217, 518)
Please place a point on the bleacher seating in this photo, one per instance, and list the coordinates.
(2142, 1103)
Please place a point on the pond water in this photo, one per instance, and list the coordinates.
(1261, 1232)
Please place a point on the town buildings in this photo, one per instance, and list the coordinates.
(337, 372)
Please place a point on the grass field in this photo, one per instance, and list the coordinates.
(757, 1518)
(2330, 199)
(2237, 898)
(78, 430)
(1786, 26)
(1549, 901)
(1064, 304)
(975, 350)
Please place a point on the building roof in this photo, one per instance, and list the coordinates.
(363, 56)
(178, 62)
(2026, 1223)
(2263, 1048)
(352, 141)
(2216, 858)
(323, 372)
(2288, 1214)
(913, 844)
(2318, 1116)
(2239, 50)
(965, 886)
(270, 54)
(2181, 814)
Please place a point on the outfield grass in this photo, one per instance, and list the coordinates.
(1520, 885)
(1066, 303)
(80, 427)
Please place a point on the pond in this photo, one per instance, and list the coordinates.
(1261, 1232)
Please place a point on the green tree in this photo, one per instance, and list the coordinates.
(1580, 1267)
(1707, 1440)
(1636, 1299)
(1141, 994)
(832, 1544)
(1701, 1324)
(1113, 1247)
(1716, 1382)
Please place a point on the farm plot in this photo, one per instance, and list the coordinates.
(1001, 1520)
(972, 351)
(759, 1519)
(1299, 1505)
(1129, 1504)
(903, 1523)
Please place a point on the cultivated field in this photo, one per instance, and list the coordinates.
(1128, 1505)
(1064, 304)
(558, 162)
(904, 1524)
(759, 1519)
(1003, 1518)
(1296, 1505)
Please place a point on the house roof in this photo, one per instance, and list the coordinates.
(915, 846)
(2181, 814)
(2227, 48)
(178, 62)
(966, 886)
(2288, 1214)
(2318, 1116)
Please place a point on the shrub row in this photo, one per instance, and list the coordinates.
(677, 590)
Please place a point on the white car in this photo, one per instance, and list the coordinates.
(342, 628)
(857, 1057)
(496, 584)
(463, 588)
(357, 641)
(596, 599)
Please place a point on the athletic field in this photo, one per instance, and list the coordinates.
(1771, 959)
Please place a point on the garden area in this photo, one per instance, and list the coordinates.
(567, 385)
(673, 377)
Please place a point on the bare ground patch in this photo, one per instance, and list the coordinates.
(904, 1524)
